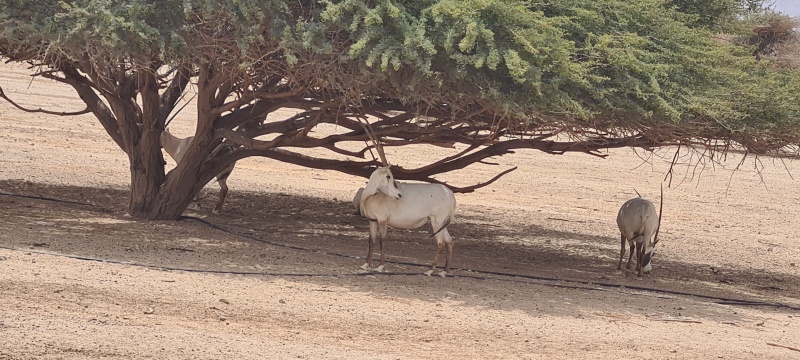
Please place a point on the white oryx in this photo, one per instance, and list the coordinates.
(385, 202)
(638, 222)
(177, 147)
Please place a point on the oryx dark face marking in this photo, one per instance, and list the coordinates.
(648, 256)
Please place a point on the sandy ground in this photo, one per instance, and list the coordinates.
(274, 275)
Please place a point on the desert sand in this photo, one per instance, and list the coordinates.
(275, 275)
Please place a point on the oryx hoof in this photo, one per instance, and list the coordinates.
(443, 274)
(379, 269)
(215, 212)
(365, 267)
(429, 272)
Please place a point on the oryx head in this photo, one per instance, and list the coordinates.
(383, 181)
(650, 251)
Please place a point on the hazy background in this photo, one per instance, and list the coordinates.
(791, 7)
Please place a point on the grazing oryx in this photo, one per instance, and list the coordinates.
(385, 202)
(176, 147)
(638, 222)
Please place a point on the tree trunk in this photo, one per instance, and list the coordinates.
(137, 130)
(157, 196)
(149, 198)
(165, 205)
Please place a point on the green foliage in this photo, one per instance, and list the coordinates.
(711, 14)
(574, 62)
(579, 58)
(133, 29)
(118, 28)
(767, 107)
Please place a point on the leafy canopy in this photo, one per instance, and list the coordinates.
(585, 67)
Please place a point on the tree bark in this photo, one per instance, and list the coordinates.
(157, 196)
(136, 130)
(146, 160)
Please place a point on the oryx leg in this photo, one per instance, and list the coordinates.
(439, 247)
(373, 233)
(621, 252)
(639, 257)
(223, 192)
(449, 241)
(628, 265)
(384, 231)
(442, 240)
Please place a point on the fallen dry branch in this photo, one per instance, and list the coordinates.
(768, 243)
(782, 346)
(677, 319)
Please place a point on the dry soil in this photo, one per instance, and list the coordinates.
(275, 275)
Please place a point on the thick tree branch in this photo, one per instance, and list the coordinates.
(253, 97)
(90, 98)
(357, 168)
(173, 92)
(338, 150)
(472, 188)
(40, 110)
(251, 112)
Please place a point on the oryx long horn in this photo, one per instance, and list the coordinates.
(374, 138)
(660, 212)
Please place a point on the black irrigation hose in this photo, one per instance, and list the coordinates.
(88, 258)
(43, 198)
(719, 300)
(273, 243)
(588, 285)
(168, 268)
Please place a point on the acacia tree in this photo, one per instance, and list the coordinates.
(496, 75)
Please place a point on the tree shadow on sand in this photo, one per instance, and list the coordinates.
(293, 234)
